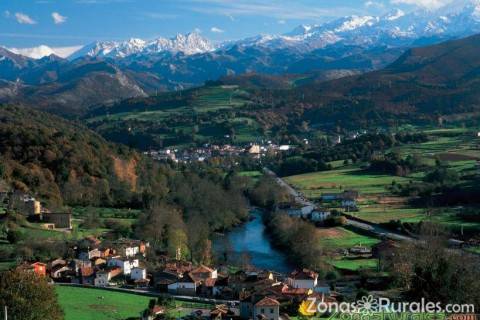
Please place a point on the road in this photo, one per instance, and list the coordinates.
(300, 199)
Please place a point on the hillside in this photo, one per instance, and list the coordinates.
(425, 84)
(213, 113)
(61, 162)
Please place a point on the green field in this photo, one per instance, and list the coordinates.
(355, 264)
(316, 183)
(81, 303)
(342, 238)
(86, 303)
(206, 114)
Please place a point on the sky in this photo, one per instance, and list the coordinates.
(60, 23)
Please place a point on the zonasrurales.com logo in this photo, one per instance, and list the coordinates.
(369, 305)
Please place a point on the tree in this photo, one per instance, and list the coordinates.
(28, 297)
(429, 269)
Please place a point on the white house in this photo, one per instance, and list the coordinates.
(89, 254)
(184, 285)
(138, 273)
(300, 212)
(125, 264)
(320, 215)
(303, 279)
(102, 278)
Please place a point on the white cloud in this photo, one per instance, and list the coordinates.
(282, 10)
(23, 18)
(217, 30)
(281, 21)
(374, 4)
(428, 4)
(197, 30)
(58, 18)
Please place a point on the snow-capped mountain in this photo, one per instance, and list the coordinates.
(395, 28)
(45, 51)
(191, 43)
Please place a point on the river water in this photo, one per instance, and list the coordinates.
(249, 242)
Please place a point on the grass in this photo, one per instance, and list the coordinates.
(342, 238)
(120, 213)
(90, 303)
(316, 183)
(355, 264)
(380, 214)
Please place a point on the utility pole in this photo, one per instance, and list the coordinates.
(6, 313)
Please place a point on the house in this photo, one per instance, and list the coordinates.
(98, 262)
(57, 262)
(138, 273)
(25, 204)
(222, 289)
(130, 248)
(299, 212)
(184, 285)
(304, 279)
(60, 220)
(320, 215)
(87, 275)
(349, 204)
(163, 279)
(39, 268)
(125, 265)
(178, 266)
(76, 264)
(359, 249)
(59, 271)
(267, 308)
(153, 313)
(89, 254)
(385, 249)
(331, 196)
(203, 273)
(102, 278)
(254, 149)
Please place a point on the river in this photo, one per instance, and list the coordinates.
(249, 241)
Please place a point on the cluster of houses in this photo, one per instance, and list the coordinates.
(347, 200)
(31, 208)
(207, 151)
(119, 263)
(260, 293)
(255, 294)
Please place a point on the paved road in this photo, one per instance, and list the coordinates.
(300, 199)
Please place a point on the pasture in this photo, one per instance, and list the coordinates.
(90, 303)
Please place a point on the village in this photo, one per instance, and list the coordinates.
(234, 292)
(208, 151)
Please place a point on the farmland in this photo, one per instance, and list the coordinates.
(207, 114)
(455, 147)
(81, 303)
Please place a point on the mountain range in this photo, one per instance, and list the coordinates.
(110, 71)
(424, 86)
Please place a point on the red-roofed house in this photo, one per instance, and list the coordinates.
(303, 279)
(267, 308)
(39, 268)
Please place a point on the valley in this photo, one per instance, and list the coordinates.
(187, 178)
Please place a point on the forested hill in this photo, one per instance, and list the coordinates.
(424, 84)
(58, 160)
(63, 163)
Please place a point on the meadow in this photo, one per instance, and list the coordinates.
(80, 303)
(90, 303)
